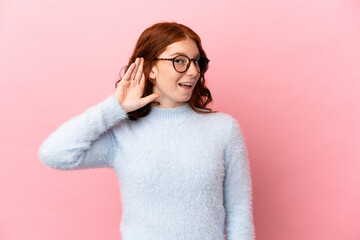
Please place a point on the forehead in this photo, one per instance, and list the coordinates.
(187, 47)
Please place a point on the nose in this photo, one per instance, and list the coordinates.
(192, 69)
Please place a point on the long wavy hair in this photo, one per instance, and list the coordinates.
(151, 43)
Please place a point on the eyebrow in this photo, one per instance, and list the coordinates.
(181, 53)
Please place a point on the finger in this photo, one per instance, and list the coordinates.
(135, 70)
(128, 72)
(139, 70)
(147, 99)
(142, 80)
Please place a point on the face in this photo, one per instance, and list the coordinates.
(167, 79)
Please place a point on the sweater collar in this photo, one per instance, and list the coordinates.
(177, 114)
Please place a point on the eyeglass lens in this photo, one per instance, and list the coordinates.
(182, 63)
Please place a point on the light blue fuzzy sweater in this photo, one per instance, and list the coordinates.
(182, 175)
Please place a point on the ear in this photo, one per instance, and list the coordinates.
(153, 72)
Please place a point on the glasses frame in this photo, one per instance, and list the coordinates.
(189, 63)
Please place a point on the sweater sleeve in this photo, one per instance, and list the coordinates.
(86, 140)
(237, 188)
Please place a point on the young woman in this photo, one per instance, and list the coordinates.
(182, 168)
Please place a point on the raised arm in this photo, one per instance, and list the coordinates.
(84, 141)
(238, 188)
(87, 141)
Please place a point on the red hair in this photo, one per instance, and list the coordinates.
(151, 43)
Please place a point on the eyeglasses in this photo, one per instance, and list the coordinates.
(182, 63)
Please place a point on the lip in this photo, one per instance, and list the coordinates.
(192, 83)
(187, 90)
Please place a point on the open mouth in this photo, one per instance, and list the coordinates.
(185, 85)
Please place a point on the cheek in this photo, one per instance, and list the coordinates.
(173, 79)
(169, 78)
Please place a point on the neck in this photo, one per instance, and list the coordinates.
(173, 115)
(157, 104)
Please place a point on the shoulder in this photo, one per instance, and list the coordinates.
(223, 123)
(222, 118)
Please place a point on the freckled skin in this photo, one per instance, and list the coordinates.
(167, 78)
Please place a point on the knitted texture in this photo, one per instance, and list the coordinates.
(182, 175)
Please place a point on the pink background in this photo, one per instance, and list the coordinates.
(289, 71)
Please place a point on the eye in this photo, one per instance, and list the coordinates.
(181, 60)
